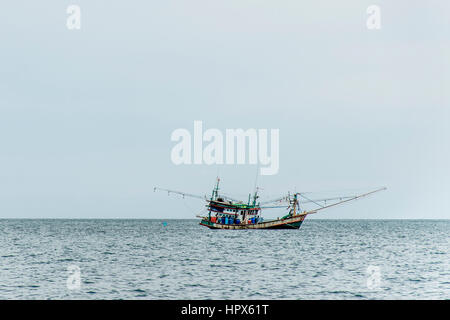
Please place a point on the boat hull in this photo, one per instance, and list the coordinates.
(288, 223)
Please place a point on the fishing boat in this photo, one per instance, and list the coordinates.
(227, 213)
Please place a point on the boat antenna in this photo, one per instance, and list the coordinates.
(255, 192)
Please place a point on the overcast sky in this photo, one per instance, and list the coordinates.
(86, 115)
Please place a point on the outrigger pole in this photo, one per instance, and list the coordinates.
(354, 198)
(184, 194)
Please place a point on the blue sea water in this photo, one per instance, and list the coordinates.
(178, 259)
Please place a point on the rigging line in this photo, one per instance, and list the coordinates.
(328, 199)
(353, 190)
(310, 200)
(235, 194)
(186, 205)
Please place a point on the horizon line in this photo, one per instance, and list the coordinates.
(200, 219)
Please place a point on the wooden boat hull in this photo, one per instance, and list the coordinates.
(288, 223)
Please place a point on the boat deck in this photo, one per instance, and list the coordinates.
(293, 222)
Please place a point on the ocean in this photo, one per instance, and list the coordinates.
(178, 259)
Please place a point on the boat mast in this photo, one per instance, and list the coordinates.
(215, 192)
(294, 207)
(255, 196)
(214, 196)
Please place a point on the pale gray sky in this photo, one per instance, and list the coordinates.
(86, 115)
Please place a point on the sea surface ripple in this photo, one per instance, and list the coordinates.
(178, 259)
